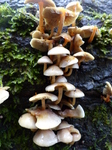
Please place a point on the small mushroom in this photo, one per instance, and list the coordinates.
(58, 51)
(3, 94)
(43, 97)
(41, 44)
(74, 94)
(60, 86)
(27, 121)
(63, 125)
(83, 57)
(39, 35)
(46, 119)
(53, 71)
(44, 60)
(42, 4)
(78, 112)
(45, 138)
(61, 79)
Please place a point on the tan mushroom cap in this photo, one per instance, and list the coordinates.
(74, 6)
(3, 95)
(43, 97)
(110, 31)
(108, 89)
(27, 121)
(47, 119)
(78, 112)
(61, 79)
(64, 136)
(39, 35)
(67, 61)
(63, 125)
(53, 71)
(84, 56)
(45, 138)
(44, 60)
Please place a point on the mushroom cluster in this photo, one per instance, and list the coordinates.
(63, 54)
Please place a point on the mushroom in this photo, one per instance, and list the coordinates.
(53, 71)
(42, 4)
(44, 60)
(83, 57)
(45, 138)
(78, 112)
(41, 44)
(39, 35)
(43, 97)
(67, 38)
(110, 31)
(63, 125)
(74, 7)
(58, 51)
(107, 91)
(27, 121)
(67, 61)
(78, 42)
(61, 79)
(3, 94)
(74, 94)
(46, 119)
(60, 86)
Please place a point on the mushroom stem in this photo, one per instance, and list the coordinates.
(45, 67)
(60, 26)
(69, 73)
(65, 43)
(52, 79)
(60, 93)
(74, 100)
(64, 102)
(92, 35)
(58, 60)
(41, 17)
(66, 69)
(51, 34)
(43, 104)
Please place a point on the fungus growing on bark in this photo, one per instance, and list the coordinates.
(74, 94)
(4, 94)
(44, 60)
(43, 97)
(27, 121)
(45, 138)
(78, 112)
(58, 51)
(60, 86)
(52, 72)
(42, 4)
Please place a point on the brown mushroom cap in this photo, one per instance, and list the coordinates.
(78, 112)
(39, 35)
(27, 121)
(45, 138)
(3, 95)
(74, 6)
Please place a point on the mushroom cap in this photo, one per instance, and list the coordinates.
(53, 71)
(3, 95)
(47, 119)
(78, 40)
(74, 94)
(108, 89)
(64, 136)
(67, 61)
(53, 106)
(64, 36)
(39, 35)
(27, 121)
(41, 96)
(46, 3)
(110, 31)
(61, 79)
(78, 112)
(44, 59)
(85, 55)
(45, 138)
(39, 44)
(74, 66)
(63, 125)
(74, 6)
(58, 50)
(66, 86)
